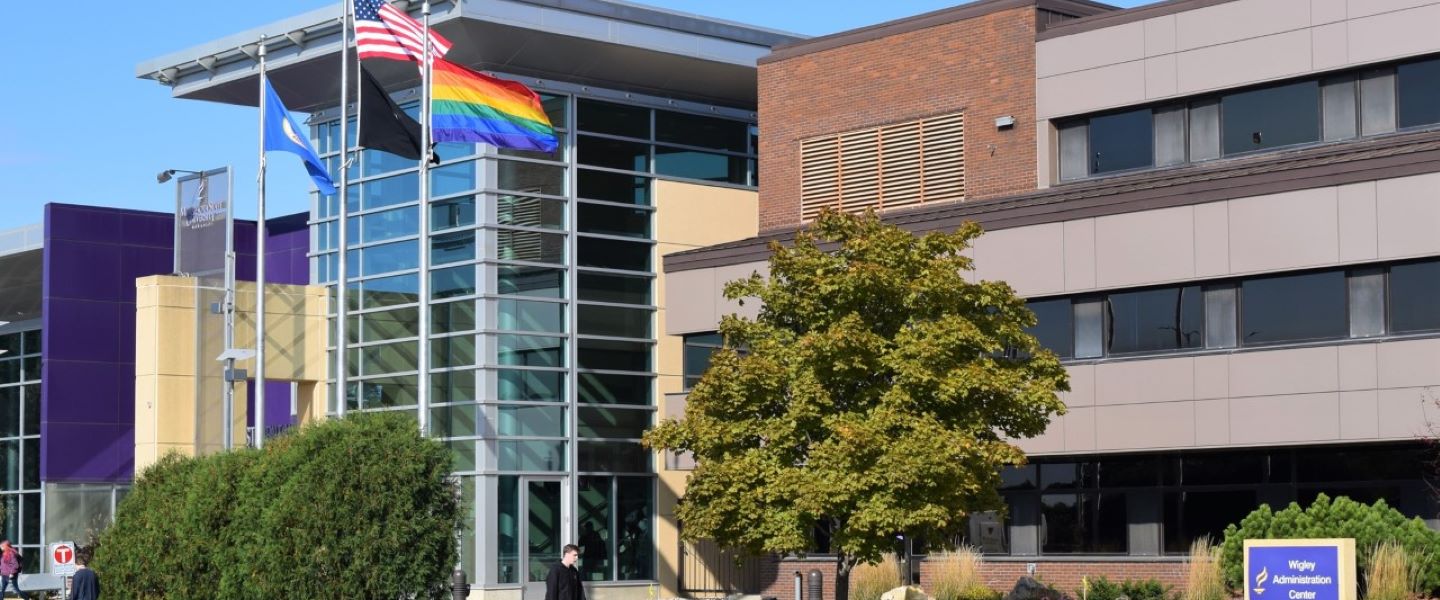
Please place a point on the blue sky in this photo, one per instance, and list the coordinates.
(76, 126)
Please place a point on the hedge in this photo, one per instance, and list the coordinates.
(360, 507)
(1338, 518)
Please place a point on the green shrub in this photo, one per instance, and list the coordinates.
(1341, 518)
(1101, 588)
(979, 592)
(355, 508)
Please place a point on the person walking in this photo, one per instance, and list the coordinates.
(86, 584)
(10, 565)
(563, 582)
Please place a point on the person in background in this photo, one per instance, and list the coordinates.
(86, 584)
(10, 565)
(563, 582)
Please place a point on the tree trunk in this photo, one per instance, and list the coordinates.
(842, 578)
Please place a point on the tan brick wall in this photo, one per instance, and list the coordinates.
(777, 577)
(984, 66)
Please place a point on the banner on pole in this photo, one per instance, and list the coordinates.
(203, 222)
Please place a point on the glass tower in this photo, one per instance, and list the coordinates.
(21, 506)
(542, 300)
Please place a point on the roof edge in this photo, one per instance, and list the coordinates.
(927, 20)
(1123, 16)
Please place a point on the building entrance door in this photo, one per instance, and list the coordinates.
(545, 502)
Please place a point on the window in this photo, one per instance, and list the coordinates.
(614, 254)
(614, 388)
(1155, 320)
(524, 211)
(1340, 106)
(621, 289)
(1414, 288)
(1270, 117)
(1418, 93)
(1054, 325)
(1191, 515)
(616, 516)
(1293, 308)
(1121, 141)
(614, 119)
(614, 321)
(613, 220)
(1088, 523)
(698, 349)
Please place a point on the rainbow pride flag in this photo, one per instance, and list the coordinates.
(468, 106)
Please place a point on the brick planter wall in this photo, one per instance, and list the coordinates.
(777, 576)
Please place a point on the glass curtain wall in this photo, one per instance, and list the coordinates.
(542, 328)
(21, 499)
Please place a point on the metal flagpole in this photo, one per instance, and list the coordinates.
(424, 358)
(344, 213)
(260, 270)
(228, 411)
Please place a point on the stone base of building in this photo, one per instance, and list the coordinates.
(777, 576)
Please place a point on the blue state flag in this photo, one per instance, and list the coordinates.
(283, 133)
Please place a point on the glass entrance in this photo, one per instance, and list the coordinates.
(543, 533)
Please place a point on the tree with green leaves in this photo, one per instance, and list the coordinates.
(873, 395)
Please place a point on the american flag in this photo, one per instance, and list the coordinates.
(383, 31)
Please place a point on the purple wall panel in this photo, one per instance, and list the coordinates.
(92, 257)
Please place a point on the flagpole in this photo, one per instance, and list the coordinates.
(342, 269)
(423, 397)
(260, 270)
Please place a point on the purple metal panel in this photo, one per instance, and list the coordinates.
(277, 405)
(92, 257)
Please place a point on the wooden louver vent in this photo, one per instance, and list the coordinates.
(886, 167)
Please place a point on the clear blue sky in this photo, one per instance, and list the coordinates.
(76, 126)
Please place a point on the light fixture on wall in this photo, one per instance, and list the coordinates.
(1004, 122)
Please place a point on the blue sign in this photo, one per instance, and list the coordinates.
(1299, 570)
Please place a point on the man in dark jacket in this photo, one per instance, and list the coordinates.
(563, 582)
(86, 585)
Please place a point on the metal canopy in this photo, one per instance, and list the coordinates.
(595, 42)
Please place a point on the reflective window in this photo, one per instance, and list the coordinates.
(390, 190)
(387, 291)
(697, 130)
(453, 351)
(376, 227)
(523, 211)
(613, 187)
(613, 220)
(386, 258)
(452, 213)
(622, 289)
(452, 247)
(1192, 515)
(531, 421)
(530, 246)
(1089, 523)
(614, 457)
(694, 164)
(530, 178)
(398, 357)
(452, 317)
(525, 315)
(614, 321)
(1054, 325)
(616, 516)
(530, 281)
(612, 388)
(613, 254)
(1271, 117)
(557, 108)
(376, 162)
(1293, 308)
(699, 347)
(635, 519)
(452, 282)
(456, 421)
(453, 386)
(622, 423)
(1415, 297)
(616, 119)
(385, 325)
(1418, 93)
(531, 455)
(612, 355)
(1152, 320)
(595, 507)
(530, 350)
(531, 386)
(452, 179)
(613, 154)
(1121, 141)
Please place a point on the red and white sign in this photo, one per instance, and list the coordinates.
(62, 558)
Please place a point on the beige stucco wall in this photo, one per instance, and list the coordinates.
(687, 216)
(1378, 220)
(172, 388)
(1224, 46)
